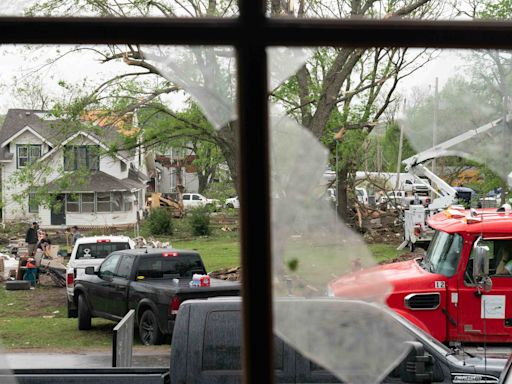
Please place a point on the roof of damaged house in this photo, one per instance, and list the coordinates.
(55, 131)
(98, 182)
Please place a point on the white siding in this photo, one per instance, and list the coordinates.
(15, 212)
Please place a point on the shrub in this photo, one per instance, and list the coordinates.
(159, 222)
(200, 221)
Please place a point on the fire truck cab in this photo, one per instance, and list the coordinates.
(461, 289)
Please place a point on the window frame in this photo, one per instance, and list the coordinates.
(251, 33)
(71, 156)
(32, 207)
(29, 158)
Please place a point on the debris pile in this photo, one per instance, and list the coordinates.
(379, 226)
(231, 274)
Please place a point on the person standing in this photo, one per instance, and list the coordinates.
(31, 239)
(76, 234)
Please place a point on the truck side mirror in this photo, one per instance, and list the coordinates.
(417, 366)
(89, 271)
(480, 261)
(481, 267)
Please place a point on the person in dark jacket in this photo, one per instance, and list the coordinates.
(31, 239)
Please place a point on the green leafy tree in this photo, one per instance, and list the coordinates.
(356, 85)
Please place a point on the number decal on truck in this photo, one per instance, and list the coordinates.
(440, 284)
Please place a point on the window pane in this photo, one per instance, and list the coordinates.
(125, 266)
(33, 205)
(87, 202)
(117, 201)
(69, 158)
(222, 343)
(163, 9)
(87, 207)
(81, 157)
(103, 202)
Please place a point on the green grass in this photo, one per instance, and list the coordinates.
(220, 251)
(60, 333)
(383, 252)
(37, 318)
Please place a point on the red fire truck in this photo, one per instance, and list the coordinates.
(461, 289)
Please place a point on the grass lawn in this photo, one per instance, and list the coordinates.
(221, 251)
(385, 251)
(37, 318)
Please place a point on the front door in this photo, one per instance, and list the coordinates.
(58, 210)
(487, 316)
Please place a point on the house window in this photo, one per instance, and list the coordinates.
(81, 157)
(26, 154)
(72, 203)
(103, 201)
(87, 202)
(33, 204)
(123, 166)
(127, 201)
(117, 201)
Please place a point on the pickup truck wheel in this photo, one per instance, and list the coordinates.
(84, 316)
(149, 332)
(410, 246)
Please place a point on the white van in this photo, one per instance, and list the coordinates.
(90, 252)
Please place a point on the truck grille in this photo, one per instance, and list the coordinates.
(422, 301)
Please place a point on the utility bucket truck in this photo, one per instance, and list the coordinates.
(461, 290)
(417, 211)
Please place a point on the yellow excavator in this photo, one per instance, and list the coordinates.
(157, 200)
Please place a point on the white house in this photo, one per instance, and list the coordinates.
(105, 189)
(175, 169)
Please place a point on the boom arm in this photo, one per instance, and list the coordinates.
(414, 164)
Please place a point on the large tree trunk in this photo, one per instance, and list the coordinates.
(342, 177)
(202, 178)
(228, 144)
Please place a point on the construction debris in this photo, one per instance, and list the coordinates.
(231, 274)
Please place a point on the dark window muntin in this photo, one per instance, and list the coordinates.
(250, 33)
(81, 157)
(28, 153)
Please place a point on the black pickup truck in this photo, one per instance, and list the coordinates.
(153, 281)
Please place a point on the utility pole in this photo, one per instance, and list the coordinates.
(400, 145)
(434, 128)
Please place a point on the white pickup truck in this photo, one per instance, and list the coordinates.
(90, 252)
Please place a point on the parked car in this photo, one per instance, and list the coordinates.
(195, 200)
(90, 252)
(392, 199)
(206, 347)
(152, 281)
(232, 202)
